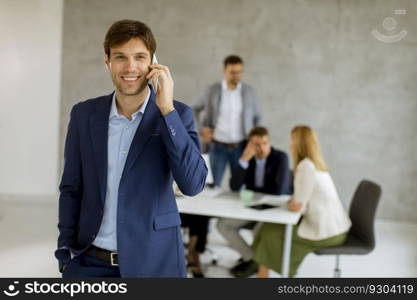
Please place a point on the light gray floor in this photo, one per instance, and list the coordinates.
(28, 239)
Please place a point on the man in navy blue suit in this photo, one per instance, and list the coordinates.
(117, 211)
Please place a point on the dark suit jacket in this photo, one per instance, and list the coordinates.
(163, 149)
(277, 179)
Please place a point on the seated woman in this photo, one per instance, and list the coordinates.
(324, 221)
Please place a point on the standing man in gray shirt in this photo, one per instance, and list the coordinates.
(231, 110)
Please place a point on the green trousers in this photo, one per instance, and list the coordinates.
(268, 246)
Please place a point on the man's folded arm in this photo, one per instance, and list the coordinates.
(238, 176)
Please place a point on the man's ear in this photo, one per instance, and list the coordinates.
(107, 62)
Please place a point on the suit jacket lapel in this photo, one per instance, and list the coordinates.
(270, 162)
(217, 96)
(147, 126)
(251, 171)
(245, 106)
(99, 127)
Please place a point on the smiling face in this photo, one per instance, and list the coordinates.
(128, 65)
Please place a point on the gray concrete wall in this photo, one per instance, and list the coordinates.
(30, 44)
(313, 62)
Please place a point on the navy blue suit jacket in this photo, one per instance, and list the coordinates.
(163, 149)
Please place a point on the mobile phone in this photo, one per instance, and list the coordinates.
(262, 206)
(154, 81)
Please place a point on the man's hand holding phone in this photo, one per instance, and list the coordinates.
(161, 78)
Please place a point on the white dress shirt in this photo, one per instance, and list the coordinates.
(323, 213)
(229, 126)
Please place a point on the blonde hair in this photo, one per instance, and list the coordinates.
(306, 145)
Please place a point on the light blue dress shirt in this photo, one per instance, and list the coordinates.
(259, 170)
(120, 136)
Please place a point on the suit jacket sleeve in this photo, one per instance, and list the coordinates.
(257, 115)
(198, 108)
(205, 102)
(238, 178)
(181, 140)
(71, 186)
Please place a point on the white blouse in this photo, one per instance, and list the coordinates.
(323, 213)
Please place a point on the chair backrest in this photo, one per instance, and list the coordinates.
(362, 212)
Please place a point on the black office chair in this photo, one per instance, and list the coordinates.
(361, 237)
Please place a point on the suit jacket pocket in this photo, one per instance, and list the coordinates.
(166, 221)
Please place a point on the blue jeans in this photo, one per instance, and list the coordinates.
(220, 156)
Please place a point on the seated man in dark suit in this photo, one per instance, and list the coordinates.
(261, 169)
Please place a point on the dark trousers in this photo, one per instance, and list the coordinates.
(198, 226)
(84, 265)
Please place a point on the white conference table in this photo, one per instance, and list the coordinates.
(226, 204)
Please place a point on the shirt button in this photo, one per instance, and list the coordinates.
(124, 152)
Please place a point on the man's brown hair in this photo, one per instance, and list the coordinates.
(122, 31)
(258, 131)
(232, 60)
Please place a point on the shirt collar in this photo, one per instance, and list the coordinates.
(115, 113)
(225, 87)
